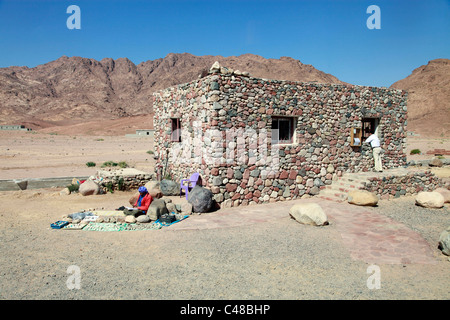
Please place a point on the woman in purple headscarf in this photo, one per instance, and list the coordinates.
(141, 205)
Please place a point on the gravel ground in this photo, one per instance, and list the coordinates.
(281, 259)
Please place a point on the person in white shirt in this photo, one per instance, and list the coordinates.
(375, 144)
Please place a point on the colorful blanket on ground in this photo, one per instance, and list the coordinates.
(109, 213)
(95, 226)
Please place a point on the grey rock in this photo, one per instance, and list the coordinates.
(255, 173)
(22, 184)
(217, 181)
(444, 241)
(156, 209)
(314, 191)
(201, 199)
(171, 207)
(169, 188)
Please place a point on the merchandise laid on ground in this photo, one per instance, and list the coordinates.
(112, 221)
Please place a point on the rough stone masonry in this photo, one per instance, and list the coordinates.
(258, 140)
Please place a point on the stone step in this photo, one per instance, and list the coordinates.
(349, 184)
(338, 190)
(332, 195)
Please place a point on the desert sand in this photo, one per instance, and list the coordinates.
(273, 259)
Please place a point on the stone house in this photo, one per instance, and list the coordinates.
(258, 140)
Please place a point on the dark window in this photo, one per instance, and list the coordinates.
(176, 130)
(369, 126)
(283, 129)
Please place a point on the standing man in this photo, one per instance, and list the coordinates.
(375, 144)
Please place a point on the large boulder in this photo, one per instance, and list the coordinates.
(88, 188)
(309, 213)
(156, 209)
(435, 162)
(430, 199)
(201, 199)
(445, 193)
(143, 218)
(130, 219)
(169, 188)
(134, 198)
(153, 188)
(186, 208)
(362, 198)
(444, 242)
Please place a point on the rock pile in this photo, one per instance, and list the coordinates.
(406, 184)
(217, 68)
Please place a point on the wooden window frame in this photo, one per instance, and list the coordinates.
(355, 132)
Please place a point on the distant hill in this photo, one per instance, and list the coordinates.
(72, 90)
(428, 89)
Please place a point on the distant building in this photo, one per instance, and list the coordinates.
(142, 133)
(14, 127)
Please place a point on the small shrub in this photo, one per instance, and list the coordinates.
(415, 151)
(150, 152)
(73, 187)
(90, 164)
(123, 164)
(109, 164)
(120, 184)
(109, 187)
(100, 139)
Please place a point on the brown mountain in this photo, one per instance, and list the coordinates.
(428, 98)
(72, 90)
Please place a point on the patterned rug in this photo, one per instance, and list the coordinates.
(94, 226)
(102, 226)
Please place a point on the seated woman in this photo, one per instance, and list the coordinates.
(141, 205)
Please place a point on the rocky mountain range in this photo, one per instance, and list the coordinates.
(75, 90)
(428, 89)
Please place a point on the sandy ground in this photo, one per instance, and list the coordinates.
(425, 144)
(267, 260)
(44, 155)
(271, 260)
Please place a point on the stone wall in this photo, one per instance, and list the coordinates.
(226, 123)
(116, 181)
(409, 184)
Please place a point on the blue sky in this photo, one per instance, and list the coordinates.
(331, 35)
